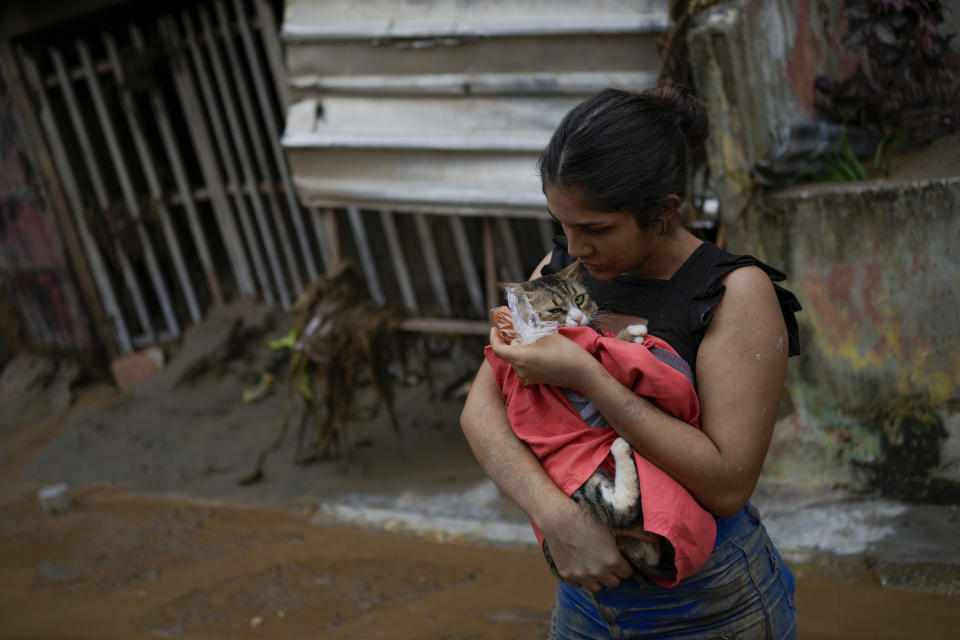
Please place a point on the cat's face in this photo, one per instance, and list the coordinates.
(562, 297)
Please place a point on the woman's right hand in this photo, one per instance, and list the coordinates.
(584, 551)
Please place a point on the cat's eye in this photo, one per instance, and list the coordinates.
(579, 299)
(556, 310)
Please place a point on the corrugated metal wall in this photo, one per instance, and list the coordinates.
(429, 116)
(193, 157)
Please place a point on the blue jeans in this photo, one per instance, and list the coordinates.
(744, 590)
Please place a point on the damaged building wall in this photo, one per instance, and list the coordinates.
(41, 307)
(873, 400)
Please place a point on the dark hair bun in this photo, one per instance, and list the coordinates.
(690, 112)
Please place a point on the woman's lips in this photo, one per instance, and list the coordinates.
(590, 266)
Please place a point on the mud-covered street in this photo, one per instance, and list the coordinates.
(118, 566)
(404, 538)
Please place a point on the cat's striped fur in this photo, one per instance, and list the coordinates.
(613, 500)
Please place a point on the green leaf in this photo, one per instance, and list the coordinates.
(286, 342)
(303, 385)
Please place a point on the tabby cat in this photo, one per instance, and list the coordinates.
(613, 500)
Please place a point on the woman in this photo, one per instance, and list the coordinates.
(614, 175)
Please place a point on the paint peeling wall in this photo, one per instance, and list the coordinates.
(755, 61)
(874, 397)
(42, 308)
(874, 401)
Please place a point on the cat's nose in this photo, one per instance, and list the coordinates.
(576, 318)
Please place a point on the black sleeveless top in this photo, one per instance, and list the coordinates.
(680, 309)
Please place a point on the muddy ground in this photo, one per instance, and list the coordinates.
(159, 540)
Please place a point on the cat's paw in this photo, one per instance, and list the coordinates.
(620, 449)
(633, 333)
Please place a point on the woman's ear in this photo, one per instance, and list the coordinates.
(669, 206)
(668, 214)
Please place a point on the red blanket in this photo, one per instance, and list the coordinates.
(571, 450)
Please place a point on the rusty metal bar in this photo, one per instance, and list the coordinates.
(72, 191)
(336, 251)
(236, 131)
(153, 182)
(510, 253)
(226, 156)
(445, 325)
(366, 256)
(253, 129)
(228, 159)
(100, 190)
(203, 150)
(399, 264)
(273, 136)
(126, 186)
(490, 264)
(271, 45)
(546, 234)
(434, 271)
(180, 177)
(322, 232)
(466, 263)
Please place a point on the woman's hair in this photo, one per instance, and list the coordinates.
(622, 151)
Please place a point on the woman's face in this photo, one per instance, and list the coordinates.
(607, 244)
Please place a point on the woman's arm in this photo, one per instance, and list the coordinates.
(584, 551)
(741, 366)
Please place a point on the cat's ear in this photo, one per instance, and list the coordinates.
(573, 271)
(506, 286)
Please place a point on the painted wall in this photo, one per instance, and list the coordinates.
(874, 401)
(41, 306)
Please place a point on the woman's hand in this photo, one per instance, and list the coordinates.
(584, 551)
(554, 360)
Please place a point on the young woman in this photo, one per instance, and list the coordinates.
(614, 175)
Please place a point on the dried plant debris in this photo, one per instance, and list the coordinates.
(910, 85)
(340, 343)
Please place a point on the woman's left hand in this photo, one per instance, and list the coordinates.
(554, 360)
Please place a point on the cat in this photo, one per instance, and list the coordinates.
(613, 500)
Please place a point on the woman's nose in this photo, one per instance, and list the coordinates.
(576, 248)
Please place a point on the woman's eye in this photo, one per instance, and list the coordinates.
(579, 299)
(597, 232)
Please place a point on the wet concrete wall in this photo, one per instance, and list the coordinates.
(874, 401)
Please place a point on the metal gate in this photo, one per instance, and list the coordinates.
(194, 172)
(164, 131)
